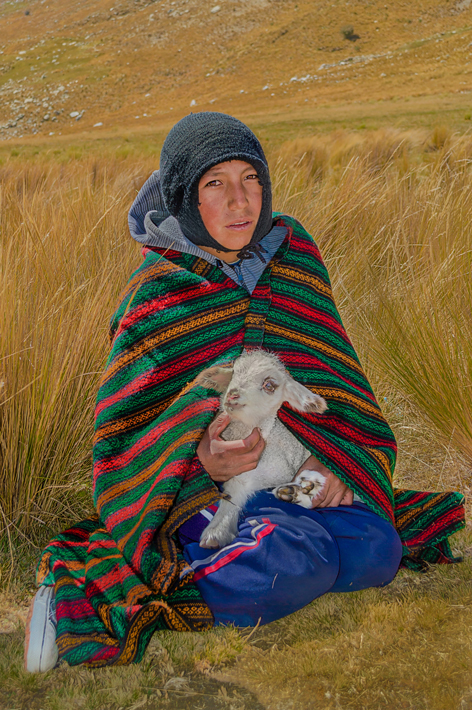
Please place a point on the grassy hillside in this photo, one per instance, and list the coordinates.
(135, 66)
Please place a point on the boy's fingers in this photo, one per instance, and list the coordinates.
(218, 425)
(335, 500)
(259, 448)
(247, 446)
(248, 451)
(253, 440)
(251, 447)
(333, 497)
(318, 500)
(220, 446)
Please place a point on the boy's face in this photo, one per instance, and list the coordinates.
(230, 202)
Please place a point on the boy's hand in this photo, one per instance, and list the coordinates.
(334, 491)
(225, 459)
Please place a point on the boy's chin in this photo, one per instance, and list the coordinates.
(237, 242)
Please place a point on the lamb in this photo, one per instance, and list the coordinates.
(253, 390)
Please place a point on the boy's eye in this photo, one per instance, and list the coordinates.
(269, 385)
(253, 176)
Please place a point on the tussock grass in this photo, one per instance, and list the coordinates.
(407, 645)
(65, 255)
(168, 677)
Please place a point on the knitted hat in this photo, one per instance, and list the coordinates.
(194, 145)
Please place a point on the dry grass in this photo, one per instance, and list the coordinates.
(391, 211)
(405, 646)
(65, 256)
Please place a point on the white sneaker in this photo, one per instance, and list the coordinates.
(41, 651)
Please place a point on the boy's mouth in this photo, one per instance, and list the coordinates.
(240, 225)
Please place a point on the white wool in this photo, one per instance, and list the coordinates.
(253, 390)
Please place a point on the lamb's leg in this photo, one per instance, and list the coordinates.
(224, 526)
(305, 486)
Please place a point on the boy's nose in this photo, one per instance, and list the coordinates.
(237, 197)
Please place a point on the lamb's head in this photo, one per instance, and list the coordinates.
(256, 386)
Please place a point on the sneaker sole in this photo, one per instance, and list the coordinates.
(42, 658)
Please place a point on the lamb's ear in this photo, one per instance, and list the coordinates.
(302, 399)
(215, 378)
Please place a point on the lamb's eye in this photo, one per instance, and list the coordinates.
(269, 385)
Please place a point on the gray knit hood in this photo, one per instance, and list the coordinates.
(150, 222)
(194, 145)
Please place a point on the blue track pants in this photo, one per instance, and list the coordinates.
(286, 556)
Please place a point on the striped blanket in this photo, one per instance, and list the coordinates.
(120, 575)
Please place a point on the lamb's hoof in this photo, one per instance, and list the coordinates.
(286, 493)
(213, 539)
(311, 482)
(304, 488)
(209, 541)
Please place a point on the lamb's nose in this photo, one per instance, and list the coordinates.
(232, 395)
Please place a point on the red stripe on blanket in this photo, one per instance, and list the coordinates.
(349, 464)
(290, 305)
(335, 424)
(133, 510)
(114, 462)
(296, 361)
(155, 376)
(440, 522)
